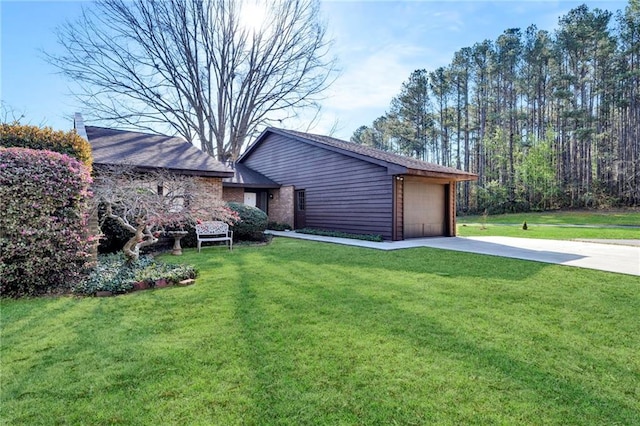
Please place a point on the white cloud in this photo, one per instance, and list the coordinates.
(375, 78)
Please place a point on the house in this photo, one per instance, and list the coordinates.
(250, 187)
(305, 180)
(147, 152)
(321, 182)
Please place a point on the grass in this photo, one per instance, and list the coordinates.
(563, 225)
(300, 332)
(567, 217)
(547, 232)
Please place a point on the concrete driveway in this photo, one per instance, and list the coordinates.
(623, 259)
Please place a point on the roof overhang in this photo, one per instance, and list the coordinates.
(246, 177)
(184, 172)
(250, 185)
(458, 177)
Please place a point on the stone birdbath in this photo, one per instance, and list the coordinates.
(177, 236)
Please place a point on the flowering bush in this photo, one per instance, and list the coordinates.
(70, 143)
(45, 244)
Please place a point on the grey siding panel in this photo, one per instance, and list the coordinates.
(342, 193)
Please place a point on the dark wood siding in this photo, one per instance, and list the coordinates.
(342, 193)
(451, 208)
(398, 208)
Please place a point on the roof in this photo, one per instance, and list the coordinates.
(244, 177)
(148, 151)
(399, 164)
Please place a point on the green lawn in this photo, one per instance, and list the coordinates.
(562, 225)
(568, 217)
(299, 332)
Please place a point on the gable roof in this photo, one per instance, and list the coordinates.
(397, 164)
(146, 151)
(244, 177)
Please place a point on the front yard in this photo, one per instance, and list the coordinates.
(299, 332)
(555, 225)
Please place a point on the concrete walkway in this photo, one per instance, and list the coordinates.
(622, 259)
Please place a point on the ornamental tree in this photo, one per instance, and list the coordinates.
(148, 203)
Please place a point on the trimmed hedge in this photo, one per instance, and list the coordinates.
(69, 143)
(279, 226)
(45, 245)
(252, 224)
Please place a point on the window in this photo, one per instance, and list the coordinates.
(174, 196)
(300, 200)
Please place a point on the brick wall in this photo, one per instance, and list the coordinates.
(233, 194)
(213, 188)
(214, 184)
(281, 205)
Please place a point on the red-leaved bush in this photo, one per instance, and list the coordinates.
(45, 242)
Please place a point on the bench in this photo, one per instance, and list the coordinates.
(213, 231)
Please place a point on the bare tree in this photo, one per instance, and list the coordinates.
(208, 69)
(8, 114)
(147, 203)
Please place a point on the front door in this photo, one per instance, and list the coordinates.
(250, 199)
(300, 209)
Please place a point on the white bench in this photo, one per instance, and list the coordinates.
(214, 231)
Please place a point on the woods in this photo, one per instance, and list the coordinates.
(546, 120)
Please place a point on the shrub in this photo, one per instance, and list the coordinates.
(278, 226)
(112, 273)
(253, 222)
(366, 237)
(158, 271)
(69, 143)
(45, 244)
(116, 274)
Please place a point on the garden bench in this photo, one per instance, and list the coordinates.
(213, 231)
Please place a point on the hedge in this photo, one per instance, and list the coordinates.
(69, 143)
(45, 244)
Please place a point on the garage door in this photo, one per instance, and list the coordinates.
(424, 209)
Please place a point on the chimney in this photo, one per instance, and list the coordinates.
(78, 124)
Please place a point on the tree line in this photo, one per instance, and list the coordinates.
(546, 120)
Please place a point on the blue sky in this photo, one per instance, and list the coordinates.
(377, 43)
